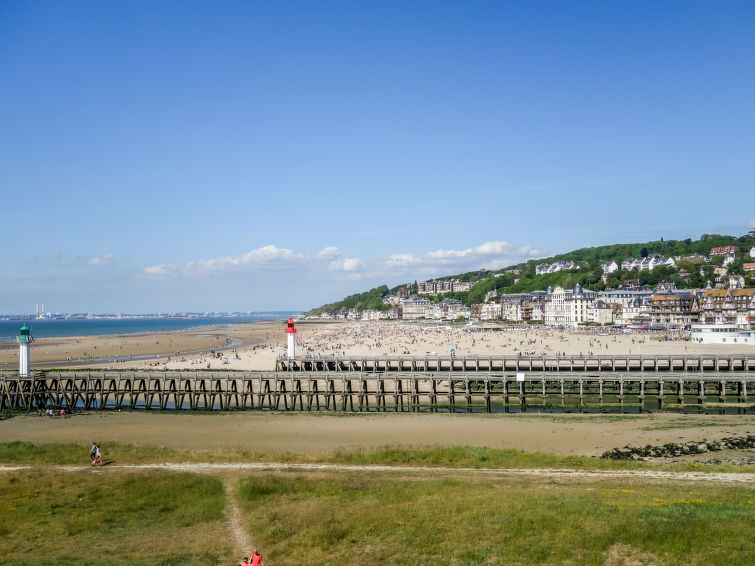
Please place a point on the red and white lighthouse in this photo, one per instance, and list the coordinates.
(290, 330)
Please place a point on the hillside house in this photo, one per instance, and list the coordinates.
(609, 267)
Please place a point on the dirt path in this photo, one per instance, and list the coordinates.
(538, 473)
(242, 542)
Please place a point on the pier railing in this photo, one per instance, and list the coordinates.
(601, 363)
(370, 391)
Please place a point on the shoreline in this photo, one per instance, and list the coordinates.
(255, 346)
(128, 350)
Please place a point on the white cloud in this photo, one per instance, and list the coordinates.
(349, 264)
(490, 255)
(261, 258)
(400, 260)
(264, 258)
(330, 252)
(161, 270)
(751, 224)
(483, 250)
(104, 260)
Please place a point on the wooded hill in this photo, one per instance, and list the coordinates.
(588, 275)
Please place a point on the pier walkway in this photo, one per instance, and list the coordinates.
(434, 363)
(373, 391)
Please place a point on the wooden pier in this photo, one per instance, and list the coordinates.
(434, 363)
(483, 391)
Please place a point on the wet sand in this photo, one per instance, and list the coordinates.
(319, 434)
(143, 350)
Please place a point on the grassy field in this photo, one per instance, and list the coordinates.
(374, 519)
(76, 515)
(97, 518)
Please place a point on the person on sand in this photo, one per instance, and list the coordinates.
(257, 558)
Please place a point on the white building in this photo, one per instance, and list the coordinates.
(647, 263)
(512, 310)
(609, 266)
(568, 307)
(555, 267)
(490, 311)
(722, 334)
(600, 312)
(454, 308)
(636, 311)
(437, 286)
(416, 308)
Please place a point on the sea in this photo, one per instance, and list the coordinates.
(54, 328)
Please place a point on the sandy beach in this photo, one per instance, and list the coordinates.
(148, 350)
(394, 338)
(255, 346)
(303, 433)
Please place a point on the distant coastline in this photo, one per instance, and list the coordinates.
(63, 328)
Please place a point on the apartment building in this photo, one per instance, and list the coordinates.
(728, 306)
(416, 308)
(560, 265)
(647, 263)
(436, 287)
(679, 309)
(568, 307)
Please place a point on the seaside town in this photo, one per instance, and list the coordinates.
(725, 300)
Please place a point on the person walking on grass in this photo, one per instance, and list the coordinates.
(93, 451)
(97, 456)
(257, 558)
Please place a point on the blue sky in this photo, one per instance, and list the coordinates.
(170, 156)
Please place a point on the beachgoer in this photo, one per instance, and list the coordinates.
(257, 558)
(97, 456)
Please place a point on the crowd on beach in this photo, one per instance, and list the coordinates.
(395, 339)
(362, 338)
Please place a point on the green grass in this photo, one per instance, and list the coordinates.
(451, 457)
(98, 517)
(375, 519)
(125, 516)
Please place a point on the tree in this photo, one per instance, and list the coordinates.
(644, 252)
